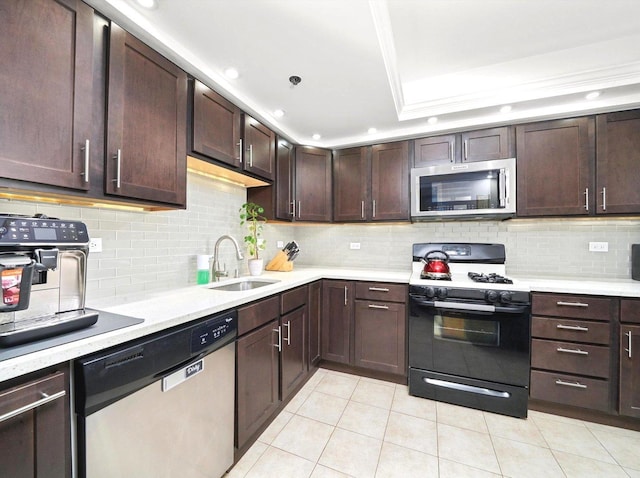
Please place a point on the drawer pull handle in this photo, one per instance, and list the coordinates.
(38, 403)
(373, 306)
(572, 304)
(570, 384)
(572, 351)
(379, 289)
(577, 328)
(279, 344)
(628, 334)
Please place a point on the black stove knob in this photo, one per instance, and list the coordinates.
(506, 297)
(429, 292)
(442, 292)
(491, 295)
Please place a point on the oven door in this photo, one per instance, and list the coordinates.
(475, 341)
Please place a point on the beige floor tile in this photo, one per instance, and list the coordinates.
(248, 460)
(573, 437)
(462, 417)
(296, 402)
(400, 462)
(415, 406)
(467, 447)
(304, 437)
(452, 469)
(624, 448)
(632, 473)
(522, 460)
(323, 472)
(536, 415)
(351, 453)
(615, 430)
(364, 419)
(373, 393)
(575, 466)
(276, 463)
(339, 385)
(517, 429)
(412, 432)
(275, 427)
(379, 382)
(322, 407)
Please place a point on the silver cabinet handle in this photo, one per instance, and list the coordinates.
(464, 147)
(251, 156)
(86, 161)
(374, 208)
(451, 152)
(288, 326)
(572, 351)
(572, 304)
(345, 295)
(570, 384)
(240, 150)
(586, 198)
(299, 208)
(118, 158)
(379, 289)
(292, 209)
(374, 306)
(577, 328)
(362, 209)
(604, 199)
(279, 344)
(628, 334)
(38, 403)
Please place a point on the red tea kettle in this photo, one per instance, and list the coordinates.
(436, 265)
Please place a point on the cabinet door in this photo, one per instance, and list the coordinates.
(36, 442)
(146, 134)
(46, 91)
(256, 380)
(435, 150)
(630, 370)
(350, 179)
(215, 126)
(293, 358)
(618, 163)
(314, 314)
(555, 162)
(259, 144)
(487, 144)
(313, 184)
(337, 309)
(390, 181)
(284, 180)
(379, 336)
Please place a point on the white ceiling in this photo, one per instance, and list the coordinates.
(392, 64)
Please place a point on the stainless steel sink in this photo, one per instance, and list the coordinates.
(243, 284)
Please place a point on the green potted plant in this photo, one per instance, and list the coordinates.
(251, 215)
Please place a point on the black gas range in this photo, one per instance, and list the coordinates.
(469, 336)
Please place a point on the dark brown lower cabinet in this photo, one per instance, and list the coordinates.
(36, 442)
(337, 307)
(293, 356)
(630, 370)
(314, 309)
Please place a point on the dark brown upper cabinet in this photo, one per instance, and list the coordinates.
(555, 167)
(46, 92)
(480, 145)
(312, 197)
(259, 148)
(618, 163)
(146, 123)
(351, 184)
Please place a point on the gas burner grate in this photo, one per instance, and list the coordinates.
(489, 278)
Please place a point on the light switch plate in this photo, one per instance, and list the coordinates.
(599, 247)
(354, 245)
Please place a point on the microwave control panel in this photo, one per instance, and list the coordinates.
(41, 230)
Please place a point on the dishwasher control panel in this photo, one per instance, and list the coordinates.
(219, 330)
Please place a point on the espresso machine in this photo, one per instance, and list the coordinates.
(43, 266)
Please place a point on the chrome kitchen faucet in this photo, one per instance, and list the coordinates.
(215, 268)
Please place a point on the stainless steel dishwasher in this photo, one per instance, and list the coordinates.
(160, 406)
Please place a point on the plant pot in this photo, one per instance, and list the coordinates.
(256, 266)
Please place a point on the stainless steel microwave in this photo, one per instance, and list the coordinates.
(482, 189)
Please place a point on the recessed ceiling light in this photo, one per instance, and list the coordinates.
(372, 131)
(593, 95)
(432, 120)
(316, 137)
(278, 113)
(505, 109)
(150, 4)
(231, 73)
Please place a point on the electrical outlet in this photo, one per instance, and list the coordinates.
(279, 244)
(599, 247)
(354, 245)
(95, 244)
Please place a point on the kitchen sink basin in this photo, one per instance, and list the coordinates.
(243, 284)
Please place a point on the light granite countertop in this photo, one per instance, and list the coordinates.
(164, 309)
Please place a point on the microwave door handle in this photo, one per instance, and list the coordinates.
(504, 179)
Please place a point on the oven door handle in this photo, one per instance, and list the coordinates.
(514, 309)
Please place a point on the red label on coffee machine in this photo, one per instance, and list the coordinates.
(11, 286)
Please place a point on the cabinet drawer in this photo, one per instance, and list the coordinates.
(381, 291)
(572, 358)
(257, 314)
(293, 299)
(576, 306)
(571, 330)
(590, 393)
(630, 311)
